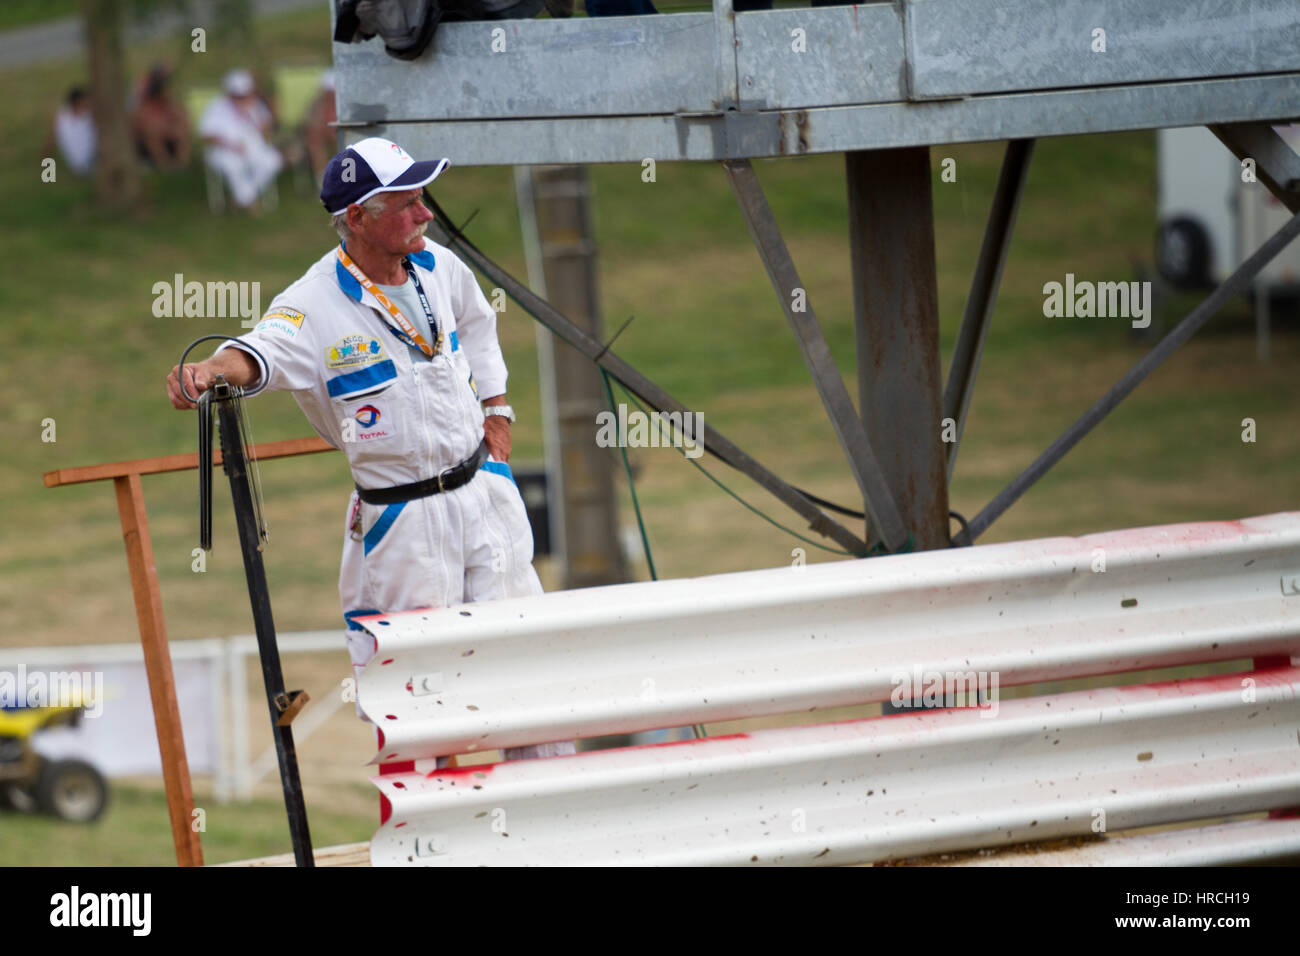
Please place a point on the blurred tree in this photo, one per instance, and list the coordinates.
(233, 20)
(117, 174)
(117, 178)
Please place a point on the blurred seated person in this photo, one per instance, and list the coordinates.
(73, 132)
(159, 126)
(319, 136)
(234, 128)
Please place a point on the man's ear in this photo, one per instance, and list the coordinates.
(356, 216)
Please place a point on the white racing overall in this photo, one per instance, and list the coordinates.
(401, 417)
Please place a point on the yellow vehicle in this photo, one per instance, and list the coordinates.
(68, 789)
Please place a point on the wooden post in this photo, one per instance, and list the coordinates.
(148, 610)
(592, 548)
(158, 665)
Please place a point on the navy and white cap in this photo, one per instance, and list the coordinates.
(373, 166)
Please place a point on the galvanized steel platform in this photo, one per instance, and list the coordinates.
(725, 85)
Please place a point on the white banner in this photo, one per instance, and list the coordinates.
(116, 733)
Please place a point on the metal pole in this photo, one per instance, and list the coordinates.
(593, 548)
(545, 340)
(896, 320)
(281, 703)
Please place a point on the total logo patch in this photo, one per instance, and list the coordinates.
(371, 425)
(354, 351)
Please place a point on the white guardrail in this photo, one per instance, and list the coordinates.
(641, 656)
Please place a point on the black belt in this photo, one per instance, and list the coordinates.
(448, 479)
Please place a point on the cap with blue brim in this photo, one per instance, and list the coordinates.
(370, 167)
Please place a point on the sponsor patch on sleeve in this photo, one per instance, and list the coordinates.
(292, 316)
(273, 323)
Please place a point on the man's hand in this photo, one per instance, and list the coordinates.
(496, 432)
(238, 366)
(198, 379)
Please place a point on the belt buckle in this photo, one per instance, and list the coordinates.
(441, 489)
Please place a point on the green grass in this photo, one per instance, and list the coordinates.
(134, 831)
(84, 349)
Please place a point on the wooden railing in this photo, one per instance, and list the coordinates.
(149, 613)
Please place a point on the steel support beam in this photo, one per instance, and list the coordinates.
(833, 128)
(1276, 164)
(896, 321)
(885, 520)
(724, 53)
(647, 390)
(1232, 286)
(984, 290)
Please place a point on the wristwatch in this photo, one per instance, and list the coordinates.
(504, 411)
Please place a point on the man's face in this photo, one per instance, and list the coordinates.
(399, 229)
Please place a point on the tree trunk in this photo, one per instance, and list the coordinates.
(117, 178)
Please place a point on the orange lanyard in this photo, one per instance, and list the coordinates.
(411, 332)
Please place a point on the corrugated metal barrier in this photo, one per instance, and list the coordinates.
(933, 628)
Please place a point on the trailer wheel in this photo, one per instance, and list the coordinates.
(72, 790)
(1183, 253)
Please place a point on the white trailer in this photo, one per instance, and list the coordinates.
(1213, 215)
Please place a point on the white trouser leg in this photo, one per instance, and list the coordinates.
(481, 534)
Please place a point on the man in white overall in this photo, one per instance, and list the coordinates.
(387, 344)
(234, 127)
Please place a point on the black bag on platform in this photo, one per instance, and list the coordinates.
(407, 26)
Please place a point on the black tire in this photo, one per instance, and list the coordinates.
(1183, 253)
(72, 790)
